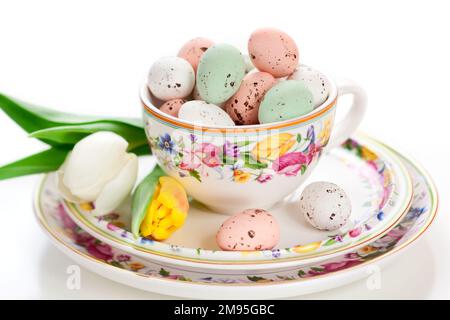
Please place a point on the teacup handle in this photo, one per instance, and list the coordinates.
(347, 126)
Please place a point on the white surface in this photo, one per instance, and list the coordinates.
(91, 57)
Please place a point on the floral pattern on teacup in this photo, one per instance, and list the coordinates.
(283, 154)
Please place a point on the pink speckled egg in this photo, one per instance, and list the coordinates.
(252, 229)
(273, 51)
(172, 106)
(243, 106)
(194, 49)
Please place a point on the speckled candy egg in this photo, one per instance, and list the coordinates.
(314, 81)
(248, 63)
(220, 72)
(252, 229)
(325, 205)
(286, 100)
(172, 106)
(171, 78)
(193, 50)
(243, 106)
(203, 113)
(273, 51)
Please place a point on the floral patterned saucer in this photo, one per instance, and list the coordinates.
(375, 179)
(134, 271)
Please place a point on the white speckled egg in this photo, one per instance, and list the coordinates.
(171, 78)
(314, 81)
(325, 205)
(203, 113)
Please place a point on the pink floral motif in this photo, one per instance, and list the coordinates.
(290, 163)
(264, 177)
(334, 266)
(65, 219)
(210, 154)
(190, 161)
(354, 232)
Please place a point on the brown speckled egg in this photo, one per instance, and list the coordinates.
(243, 106)
(193, 50)
(273, 51)
(250, 230)
(172, 106)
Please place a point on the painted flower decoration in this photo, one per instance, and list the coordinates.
(166, 143)
(210, 154)
(325, 132)
(190, 160)
(290, 163)
(231, 150)
(241, 176)
(273, 147)
(98, 170)
(264, 177)
(167, 210)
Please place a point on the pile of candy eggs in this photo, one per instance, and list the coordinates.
(215, 84)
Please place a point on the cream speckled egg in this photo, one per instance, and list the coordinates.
(325, 205)
(273, 51)
(193, 50)
(252, 229)
(314, 81)
(243, 106)
(203, 113)
(172, 106)
(171, 78)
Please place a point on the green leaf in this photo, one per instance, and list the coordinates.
(299, 137)
(33, 118)
(303, 169)
(45, 161)
(241, 144)
(255, 278)
(251, 163)
(141, 150)
(142, 197)
(163, 272)
(195, 174)
(71, 134)
(330, 242)
(301, 273)
(317, 269)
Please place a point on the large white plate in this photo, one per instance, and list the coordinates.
(134, 271)
(376, 181)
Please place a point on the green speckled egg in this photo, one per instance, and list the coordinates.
(287, 100)
(220, 73)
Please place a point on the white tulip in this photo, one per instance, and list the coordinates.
(99, 170)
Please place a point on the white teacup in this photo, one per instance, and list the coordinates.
(230, 169)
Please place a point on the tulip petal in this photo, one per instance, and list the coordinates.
(94, 160)
(116, 190)
(63, 190)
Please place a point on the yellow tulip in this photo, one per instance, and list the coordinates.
(273, 147)
(167, 210)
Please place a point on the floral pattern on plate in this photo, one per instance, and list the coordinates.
(52, 215)
(379, 212)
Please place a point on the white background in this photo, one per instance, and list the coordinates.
(91, 57)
